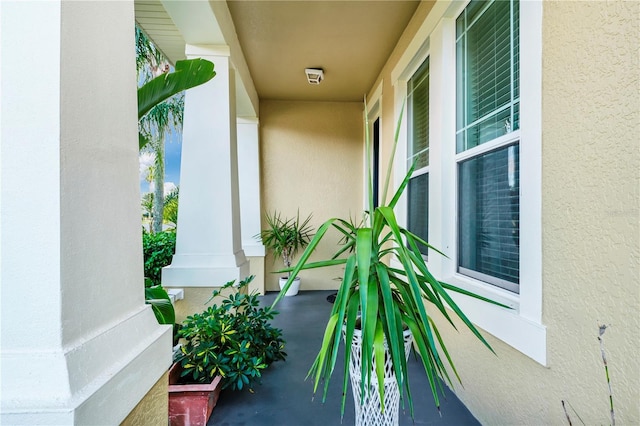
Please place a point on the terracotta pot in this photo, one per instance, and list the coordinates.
(191, 405)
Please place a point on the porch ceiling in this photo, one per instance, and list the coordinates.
(350, 40)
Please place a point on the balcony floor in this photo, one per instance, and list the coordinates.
(284, 398)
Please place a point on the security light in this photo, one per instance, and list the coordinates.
(314, 75)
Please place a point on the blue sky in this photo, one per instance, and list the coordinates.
(172, 153)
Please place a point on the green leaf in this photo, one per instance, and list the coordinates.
(161, 304)
(363, 253)
(163, 311)
(395, 341)
(156, 292)
(378, 345)
(188, 73)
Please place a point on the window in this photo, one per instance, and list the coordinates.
(488, 216)
(418, 153)
(487, 120)
(484, 203)
(487, 72)
(376, 162)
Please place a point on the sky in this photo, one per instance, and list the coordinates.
(172, 154)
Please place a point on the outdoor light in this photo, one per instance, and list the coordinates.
(314, 75)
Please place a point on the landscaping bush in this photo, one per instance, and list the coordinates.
(234, 340)
(158, 249)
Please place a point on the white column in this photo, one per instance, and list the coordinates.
(249, 180)
(208, 246)
(78, 345)
(250, 206)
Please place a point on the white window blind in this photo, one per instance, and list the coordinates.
(489, 217)
(418, 152)
(488, 60)
(418, 112)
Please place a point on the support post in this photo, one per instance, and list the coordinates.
(78, 345)
(250, 206)
(208, 242)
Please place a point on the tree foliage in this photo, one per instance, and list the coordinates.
(158, 250)
(161, 105)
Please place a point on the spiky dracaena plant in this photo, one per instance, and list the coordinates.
(285, 236)
(382, 300)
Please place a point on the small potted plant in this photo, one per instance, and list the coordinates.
(225, 346)
(285, 237)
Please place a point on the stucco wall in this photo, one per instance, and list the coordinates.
(590, 235)
(256, 268)
(153, 409)
(590, 177)
(591, 165)
(195, 299)
(312, 160)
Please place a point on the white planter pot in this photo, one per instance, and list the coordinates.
(293, 289)
(368, 413)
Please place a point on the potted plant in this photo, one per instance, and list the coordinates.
(225, 346)
(285, 237)
(382, 307)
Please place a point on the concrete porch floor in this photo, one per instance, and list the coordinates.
(284, 398)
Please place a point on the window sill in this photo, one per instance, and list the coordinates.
(527, 335)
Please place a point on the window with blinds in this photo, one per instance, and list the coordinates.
(418, 208)
(487, 69)
(418, 114)
(489, 217)
(487, 40)
(418, 152)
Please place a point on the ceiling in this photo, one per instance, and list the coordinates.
(349, 40)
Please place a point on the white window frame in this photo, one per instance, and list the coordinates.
(521, 327)
(373, 113)
(420, 59)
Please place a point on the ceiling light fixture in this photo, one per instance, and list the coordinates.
(314, 75)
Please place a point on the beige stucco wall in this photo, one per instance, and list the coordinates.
(590, 187)
(591, 237)
(256, 268)
(153, 409)
(311, 159)
(195, 301)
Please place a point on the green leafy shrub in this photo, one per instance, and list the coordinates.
(234, 340)
(158, 249)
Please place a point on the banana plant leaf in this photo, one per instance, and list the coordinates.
(188, 73)
(161, 304)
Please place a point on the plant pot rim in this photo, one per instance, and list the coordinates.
(358, 332)
(295, 279)
(174, 374)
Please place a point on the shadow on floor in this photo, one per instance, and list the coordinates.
(284, 398)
